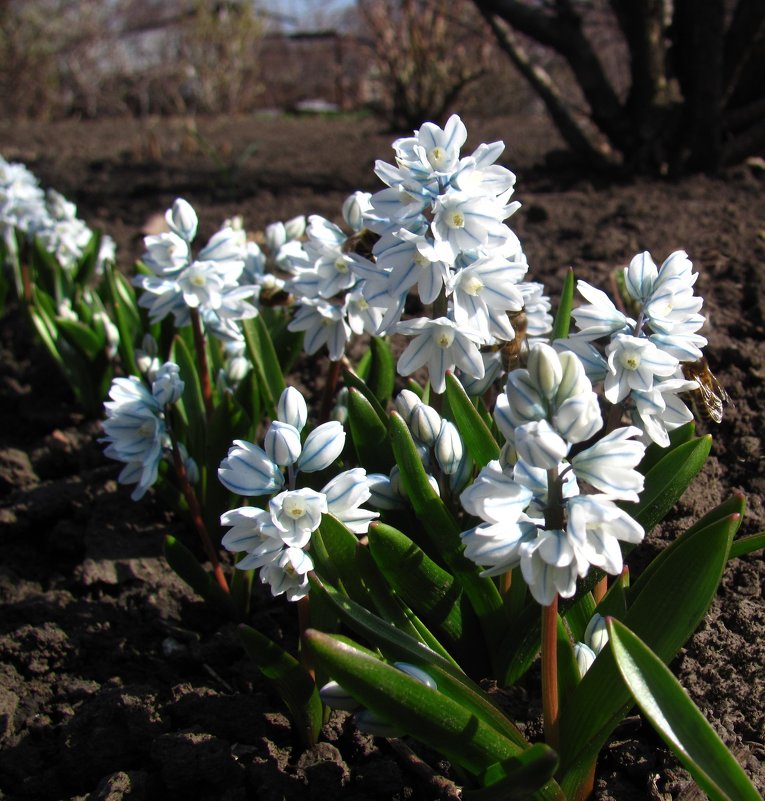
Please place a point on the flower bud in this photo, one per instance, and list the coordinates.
(282, 443)
(322, 446)
(573, 379)
(596, 633)
(334, 696)
(294, 228)
(417, 673)
(237, 368)
(539, 445)
(584, 656)
(406, 402)
(524, 403)
(579, 417)
(167, 385)
(182, 219)
(449, 448)
(276, 236)
(425, 424)
(382, 494)
(292, 408)
(353, 209)
(545, 369)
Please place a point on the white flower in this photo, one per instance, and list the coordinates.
(431, 148)
(244, 534)
(321, 447)
(596, 633)
(595, 526)
(167, 386)
(288, 574)
(297, 513)
(441, 345)
(661, 409)
(413, 259)
(468, 222)
(633, 362)
(549, 566)
(609, 464)
(425, 424)
(497, 546)
(600, 317)
(584, 656)
(345, 494)
(247, 470)
(640, 276)
(354, 208)
(182, 220)
(324, 324)
(540, 445)
(495, 497)
(406, 402)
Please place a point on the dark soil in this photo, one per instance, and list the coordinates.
(117, 682)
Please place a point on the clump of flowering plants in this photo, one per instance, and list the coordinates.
(465, 526)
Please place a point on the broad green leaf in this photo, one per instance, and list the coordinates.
(677, 719)
(340, 545)
(382, 371)
(185, 564)
(82, 338)
(568, 670)
(519, 777)
(369, 434)
(260, 362)
(475, 433)
(444, 533)
(678, 593)
(667, 480)
(566, 304)
(735, 505)
(293, 682)
(353, 381)
(425, 713)
(432, 593)
(579, 614)
(655, 453)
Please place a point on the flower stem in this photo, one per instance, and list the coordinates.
(550, 701)
(204, 371)
(330, 388)
(196, 515)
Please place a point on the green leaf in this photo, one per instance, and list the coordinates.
(292, 681)
(82, 338)
(444, 533)
(341, 545)
(369, 434)
(677, 719)
(191, 404)
(579, 614)
(655, 453)
(382, 371)
(185, 564)
(432, 593)
(519, 777)
(568, 670)
(425, 713)
(678, 593)
(86, 265)
(667, 480)
(353, 381)
(475, 433)
(747, 545)
(563, 315)
(260, 351)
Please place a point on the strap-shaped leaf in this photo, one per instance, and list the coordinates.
(425, 713)
(432, 593)
(444, 533)
(185, 564)
(340, 545)
(85, 340)
(677, 719)
(666, 481)
(568, 670)
(191, 405)
(563, 314)
(369, 434)
(655, 453)
(382, 371)
(475, 433)
(293, 682)
(519, 776)
(86, 265)
(578, 615)
(353, 381)
(747, 545)
(260, 351)
(678, 594)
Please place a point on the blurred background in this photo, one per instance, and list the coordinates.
(654, 85)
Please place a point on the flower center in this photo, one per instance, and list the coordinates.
(421, 261)
(456, 220)
(197, 279)
(630, 360)
(341, 265)
(472, 285)
(437, 156)
(146, 429)
(294, 507)
(444, 337)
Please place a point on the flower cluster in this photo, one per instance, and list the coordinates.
(275, 538)
(135, 426)
(533, 509)
(208, 282)
(640, 358)
(441, 231)
(49, 217)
